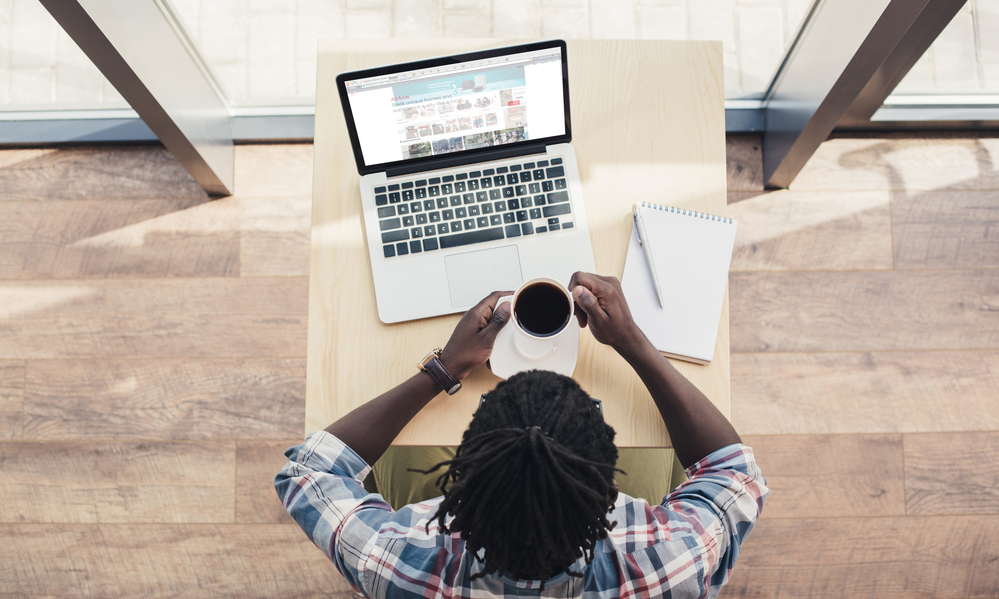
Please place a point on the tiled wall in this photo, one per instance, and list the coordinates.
(264, 51)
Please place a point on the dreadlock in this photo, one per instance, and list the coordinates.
(532, 480)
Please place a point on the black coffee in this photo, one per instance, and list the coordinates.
(542, 309)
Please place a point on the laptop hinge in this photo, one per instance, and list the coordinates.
(497, 154)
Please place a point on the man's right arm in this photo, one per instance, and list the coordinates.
(695, 425)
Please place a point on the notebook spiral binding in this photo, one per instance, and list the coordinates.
(693, 213)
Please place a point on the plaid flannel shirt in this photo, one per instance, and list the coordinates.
(685, 547)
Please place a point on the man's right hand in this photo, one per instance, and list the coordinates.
(600, 304)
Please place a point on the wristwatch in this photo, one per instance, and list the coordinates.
(431, 364)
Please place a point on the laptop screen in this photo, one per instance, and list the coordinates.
(457, 105)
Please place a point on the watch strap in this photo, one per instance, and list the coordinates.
(436, 369)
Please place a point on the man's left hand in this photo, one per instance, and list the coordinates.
(471, 343)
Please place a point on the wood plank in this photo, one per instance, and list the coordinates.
(275, 235)
(274, 170)
(224, 317)
(946, 229)
(94, 172)
(801, 471)
(137, 482)
(163, 560)
(864, 311)
(164, 399)
(878, 392)
(786, 230)
(69, 239)
(909, 161)
(11, 399)
(952, 473)
(951, 557)
(257, 463)
(744, 162)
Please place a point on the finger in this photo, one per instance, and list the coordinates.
(499, 318)
(580, 315)
(587, 301)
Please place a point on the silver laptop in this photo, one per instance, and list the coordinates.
(469, 184)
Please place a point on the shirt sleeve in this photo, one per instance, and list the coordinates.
(321, 487)
(719, 504)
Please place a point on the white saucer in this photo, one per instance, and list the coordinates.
(506, 360)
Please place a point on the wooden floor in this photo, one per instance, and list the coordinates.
(152, 371)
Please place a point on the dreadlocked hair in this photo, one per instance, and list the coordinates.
(532, 481)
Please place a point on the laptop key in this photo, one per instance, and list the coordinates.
(553, 221)
(486, 183)
(391, 236)
(416, 232)
(389, 224)
(539, 174)
(473, 184)
(481, 196)
(381, 199)
(402, 248)
(500, 206)
(495, 194)
(389, 251)
(539, 200)
(556, 161)
(448, 178)
(415, 247)
(434, 191)
(508, 217)
(566, 225)
(442, 228)
(429, 245)
(435, 180)
(442, 202)
(447, 189)
(560, 184)
(525, 202)
(468, 198)
(380, 189)
(512, 179)
(482, 221)
(512, 230)
(421, 192)
(508, 192)
(528, 165)
(558, 196)
(393, 187)
(416, 207)
(421, 183)
(554, 227)
(459, 187)
(525, 176)
(541, 230)
(495, 220)
(407, 221)
(455, 227)
(487, 172)
(521, 190)
(499, 180)
(421, 219)
(534, 188)
(386, 212)
(435, 217)
(429, 230)
(461, 212)
(513, 204)
(447, 214)
(407, 195)
(527, 228)
(502, 169)
(541, 163)
(545, 186)
(535, 213)
(555, 171)
(429, 205)
(394, 197)
(407, 185)
(403, 209)
(556, 210)
(473, 210)
(477, 236)
(475, 174)
(487, 209)
(456, 200)
(521, 215)
(514, 167)
(469, 224)
(461, 176)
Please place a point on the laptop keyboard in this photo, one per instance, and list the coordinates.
(428, 214)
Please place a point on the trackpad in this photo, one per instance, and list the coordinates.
(474, 275)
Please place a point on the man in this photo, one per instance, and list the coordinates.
(530, 503)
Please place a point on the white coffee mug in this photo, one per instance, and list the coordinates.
(537, 343)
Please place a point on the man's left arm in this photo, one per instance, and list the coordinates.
(371, 428)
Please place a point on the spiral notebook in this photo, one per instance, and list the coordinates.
(692, 252)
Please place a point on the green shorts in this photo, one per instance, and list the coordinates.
(649, 473)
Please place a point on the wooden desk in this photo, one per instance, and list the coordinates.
(648, 124)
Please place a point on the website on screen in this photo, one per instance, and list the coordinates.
(476, 104)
